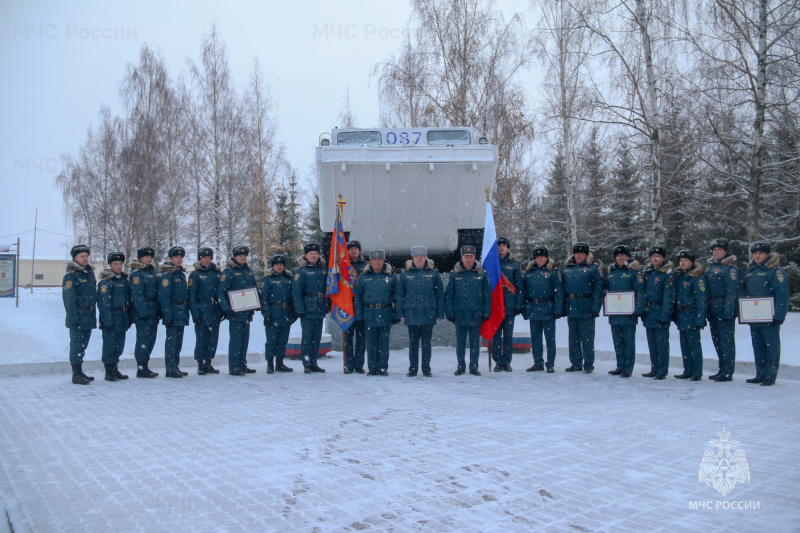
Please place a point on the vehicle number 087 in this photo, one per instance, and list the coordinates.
(403, 137)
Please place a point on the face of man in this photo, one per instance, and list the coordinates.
(377, 264)
(502, 250)
(685, 263)
(115, 266)
(622, 260)
(278, 268)
(82, 259)
(657, 260)
(176, 260)
(580, 258)
(240, 258)
(312, 257)
(206, 261)
(146, 260)
(541, 260)
(760, 257)
(468, 261)
(354, 254)
(419, 260)
(718, 252)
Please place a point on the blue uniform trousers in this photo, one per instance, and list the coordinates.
(239, 331)
(378, 348)
(207, 337)
(277, 337)
(78, 341)
(624, 338)
(692, 352)
(172, 347)
(354, 346)
(415, 335)
(503, 342)
(311, 338)
(145, 340)
(767, 351)
(113, 345)
(581, 342)
(474, 333)
(548, 328)
(658, 342)
(722, 333)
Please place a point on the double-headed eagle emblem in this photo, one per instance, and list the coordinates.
(724, 466)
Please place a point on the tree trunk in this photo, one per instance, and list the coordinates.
(756, 171)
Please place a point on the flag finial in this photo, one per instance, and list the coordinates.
(488, 190)
(341, 200)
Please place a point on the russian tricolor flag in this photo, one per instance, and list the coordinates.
(490, 261)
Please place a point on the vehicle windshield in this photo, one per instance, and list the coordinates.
(448, 137)
(359, 138)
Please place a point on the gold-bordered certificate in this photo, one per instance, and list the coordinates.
(244, 299)
(620, 303)
(756, 310)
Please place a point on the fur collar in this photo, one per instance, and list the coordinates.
(571, 260)
(233, 264)
(137, 265)
(387, 269)
(666, 268)
(410, 265)
(509, 257)
(549, 266)
(696, 271)
(772, 261)
(169, 268)
(728, 260)
(630, 265)
(72, 266)
(460, 268)
(197, 266)
(302, 263)
(109, 274)
(270, 273)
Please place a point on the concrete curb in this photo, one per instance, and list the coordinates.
(15, 519)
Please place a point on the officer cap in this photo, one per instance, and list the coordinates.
(719, 243)
(176, 250)
(205, 252)
(503, 240)
(622, 250)
(659, 249)
(115, 256)
(419, 250)
(377, 253)
(686, 254)
(144, 251)
(760, 246)
(78, 249)
(580, 248)
(240, 250)
(468, 250)
(314, 247)
(540, 250)
(277, 259)
(354, 244)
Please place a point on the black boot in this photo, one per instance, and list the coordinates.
(249, 370)
(110, 373)
(270, 366)
(181, 372)
(498, 367)
(535, 368)
(201, 367)
(319, 369)
(573, 368)
(280, 367)
(77, 375)
(507, 367)
(143, 372)
(650, 374)
(119, 374)
(210, 369)
(714, 376)
(174, 373)
(682, 376)
(615, 372)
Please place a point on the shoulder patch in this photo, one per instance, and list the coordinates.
(136, 280)
(733, 274)
(560, 276)
(778, 275)
(701, 284)
(68, 285)
(222, 278)
(104, 289)
(165, 283)
(189, 283)
(671, 281)
(296, 276)
(639, 277)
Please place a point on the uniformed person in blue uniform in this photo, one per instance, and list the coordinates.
(468, 304)
(79, 292)
(278, 312)
(146, 312)
(173, 298)
(374, 304)
(355, 345)
(624, 276)
(511, 278)
(691, 303)
(419, 302)
(235, 277)
(722, 282)
(116, 312)
(310, 304)
(206, 313)
(583, 297)
(659, 283)
(765, 278)
(543, 303)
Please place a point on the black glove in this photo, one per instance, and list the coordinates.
(595, 314)
(777, 322)
(267, 320)
(524, 315)
(197, 320)
(451, 318)
(396, 321)
(485, 318)
(229, 314)
(558, 316)
(663, 324)
(167, 323)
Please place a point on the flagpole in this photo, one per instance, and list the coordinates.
(489, 349)
(344, 333)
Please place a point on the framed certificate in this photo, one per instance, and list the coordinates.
(756, 310)
(244, 299)
(619, 303)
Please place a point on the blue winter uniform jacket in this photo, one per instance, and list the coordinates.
(542, 292)
(114, 301)
(235, 278)
(420, 295)
(203, 300)
(144, 293)
(691, 298)
(173, 295)
(583, 288)
(626, 278)
(509, 267)
(276, 298)
(768, 279)
(375, 294)
(468, 296)
(659, 295)
(79, 293)
(308, 290)
(722, 283)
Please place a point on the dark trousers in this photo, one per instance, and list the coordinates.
(581, 342)
(207, 337)
(113, 345)
(378, 348)
(767, 351)
(474, 333)
(354, 346)
(692, 352)
(415, 335)
(624, 338)
(78, 341)
(172, 347)
(309, 344)
(503, 341)
(277, 337)
(145, 340)
(722, 333)
(239, 331)
(658, 343)
(548, 329)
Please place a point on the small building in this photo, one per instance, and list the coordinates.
(49, 272)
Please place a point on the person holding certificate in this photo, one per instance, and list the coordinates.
(624, 304)
(310, 303)
(238, 297)
(765, 286)
(659, 286)
(691, 304)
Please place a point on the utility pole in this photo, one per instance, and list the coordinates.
(33, 254)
